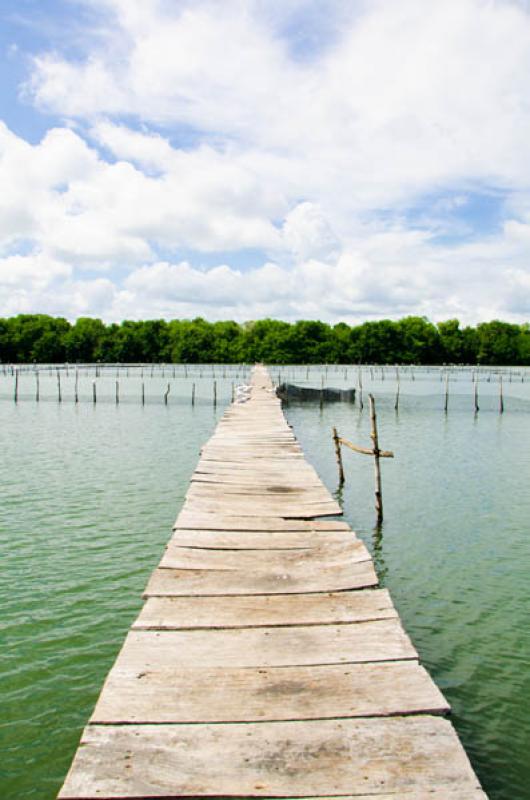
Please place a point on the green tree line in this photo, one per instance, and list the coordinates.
(412, 340)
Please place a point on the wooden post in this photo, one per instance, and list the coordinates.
(59, 396)
(193, 394)
(76, 385)
(377, 467)
(37, 386)
(232, 394)
(475, 393)
(501, 398)
(396, 404)
(321, 392)
(446, 403)
(143, 393)
(360, 382)
(214, 394)
(166, 395)
(338, 454)
(94, 393)
(117, 392)
(15, 397)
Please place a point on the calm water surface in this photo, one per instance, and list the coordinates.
(88, 497)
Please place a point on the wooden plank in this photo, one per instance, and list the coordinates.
(256, 540)
(279, 759)
(262, 509)
(157, 693)
(212, 521)
(328, 555)
(298, 645)
(265, 611)
(167, 582)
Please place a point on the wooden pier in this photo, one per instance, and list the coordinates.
(265, 661)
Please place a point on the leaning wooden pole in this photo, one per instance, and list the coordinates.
(375, 441)
(336, 442)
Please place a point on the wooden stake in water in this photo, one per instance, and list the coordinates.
(396, 403)
(117, 392)
(94, 393)
(475, 394)
(59, 395)
(338, 454)
(37, 386)
(501, 398)
(143, 393)
(321, 392)
(15, 397)
(446, 402)
(166, 395)
(377, 467)
(193, 394)
(76, 386)
(360, 382)
(371, 451)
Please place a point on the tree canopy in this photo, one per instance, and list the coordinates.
(412, 340)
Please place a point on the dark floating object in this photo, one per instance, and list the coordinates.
(288, 391)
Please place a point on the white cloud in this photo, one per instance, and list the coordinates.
(312, 159)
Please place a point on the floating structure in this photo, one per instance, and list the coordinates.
(265, 661)
(290, 391)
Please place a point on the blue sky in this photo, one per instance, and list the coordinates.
(295, 159)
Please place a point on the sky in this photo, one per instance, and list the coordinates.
(342, 160)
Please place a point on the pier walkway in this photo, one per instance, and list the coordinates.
(265, 661)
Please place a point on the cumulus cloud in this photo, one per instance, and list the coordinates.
(253, 162)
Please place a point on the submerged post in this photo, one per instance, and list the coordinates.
(336, 442)
(377, 467)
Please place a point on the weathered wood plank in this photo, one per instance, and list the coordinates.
(212, 521)
(299, 645)
(327, 555)
(239, 611)
(280, 759)
(167, 582)
(256, 540)
(153, 693)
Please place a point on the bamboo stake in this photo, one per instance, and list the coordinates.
(143, 393)
(117, 392)
(446, 402)
(501, 398)
(377, 467)
(59, 396)
(193, 394)
(476, 397)
(76, 385)
(166, 395)
(94, 393)
(338, 454)
(37, 386)
(16, 386)
(396, 404)
(214, 394)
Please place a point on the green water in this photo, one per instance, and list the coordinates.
(88, 497)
